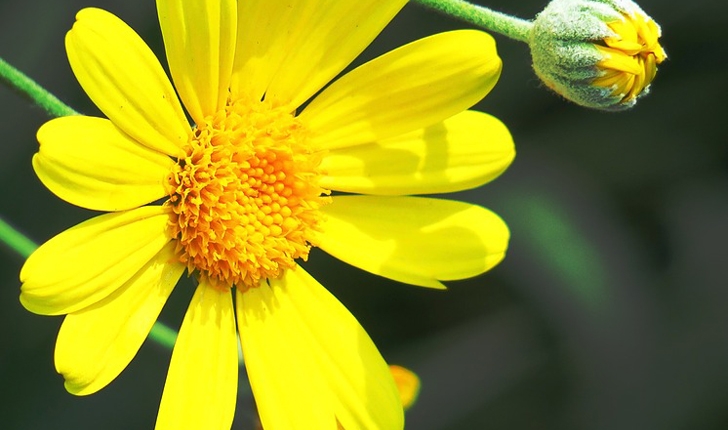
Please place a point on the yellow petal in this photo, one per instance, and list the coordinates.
(415, 240)
(202, 380)
(90, 163)
(86, 263)
(309, 361)
(412, 87)
(462, 152)
(199, 37)
(95, 344)
(122, 76)
(289, 50)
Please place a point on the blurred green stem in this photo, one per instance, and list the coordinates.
(507, 25)
(28, 88)
(16, 240)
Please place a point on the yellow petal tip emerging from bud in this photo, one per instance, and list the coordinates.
(630, 57)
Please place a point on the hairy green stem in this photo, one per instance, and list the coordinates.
(28, 88)
(509, 26)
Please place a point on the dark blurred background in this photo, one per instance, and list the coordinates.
(609, 311)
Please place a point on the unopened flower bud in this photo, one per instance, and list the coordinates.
(597, 53)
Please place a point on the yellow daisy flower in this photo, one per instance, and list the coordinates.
(246, 194)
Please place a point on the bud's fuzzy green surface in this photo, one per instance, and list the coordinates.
(601, 54)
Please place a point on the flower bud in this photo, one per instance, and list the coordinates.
(601, 54)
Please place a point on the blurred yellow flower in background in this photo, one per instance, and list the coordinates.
(631, 56)
(408, 384)
(246, 193)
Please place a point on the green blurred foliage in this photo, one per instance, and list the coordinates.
(608, 312)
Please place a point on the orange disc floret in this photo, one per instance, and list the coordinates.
(245, 199)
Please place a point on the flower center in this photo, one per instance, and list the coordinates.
(245, 199)
(631, 58)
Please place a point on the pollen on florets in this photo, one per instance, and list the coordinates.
(245, 199)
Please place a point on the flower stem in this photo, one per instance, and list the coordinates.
(28, 88)
(509, 26)
(22, 245)
(16, 240)
(163, 335)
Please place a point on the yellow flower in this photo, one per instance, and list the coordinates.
(245, 194)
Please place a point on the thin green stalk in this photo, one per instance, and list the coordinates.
(509, 26)
(28, 88)
(21, 244)
(163, 335)
(16, 240)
